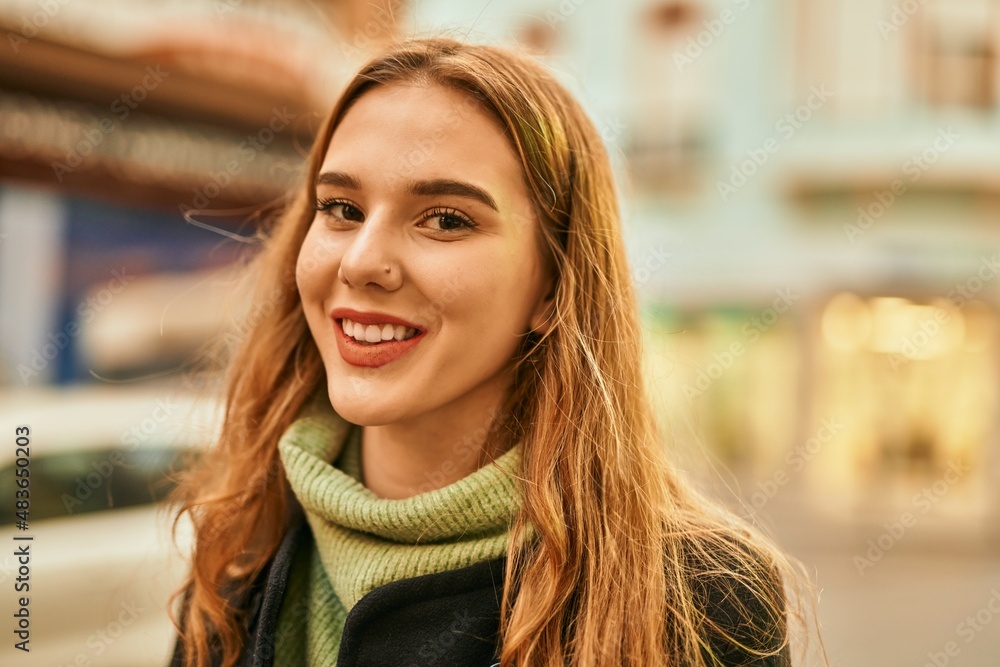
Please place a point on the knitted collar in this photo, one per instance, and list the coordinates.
(366, 541)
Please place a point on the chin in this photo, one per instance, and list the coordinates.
(358, 407)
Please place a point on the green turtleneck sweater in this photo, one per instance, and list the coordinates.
(360, 541)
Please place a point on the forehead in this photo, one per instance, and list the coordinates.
(406, 131)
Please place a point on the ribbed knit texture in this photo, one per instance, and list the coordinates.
(361, 541)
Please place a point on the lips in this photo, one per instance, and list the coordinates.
(373, 355)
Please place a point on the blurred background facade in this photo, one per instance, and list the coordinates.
(810, 188)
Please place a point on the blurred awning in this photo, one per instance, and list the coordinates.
(139, 132)
(192, 106)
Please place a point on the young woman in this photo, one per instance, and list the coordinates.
(437, 449)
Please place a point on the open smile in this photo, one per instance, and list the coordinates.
(374, 354)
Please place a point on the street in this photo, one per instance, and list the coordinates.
(931, 599)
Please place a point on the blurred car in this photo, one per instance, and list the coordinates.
(102, 560)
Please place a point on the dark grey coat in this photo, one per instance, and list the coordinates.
(452, 618)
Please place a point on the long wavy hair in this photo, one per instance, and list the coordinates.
(623, 543)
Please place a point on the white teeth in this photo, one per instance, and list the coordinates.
(375, 333)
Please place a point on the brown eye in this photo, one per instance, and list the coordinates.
(450, 220)
(347, 210)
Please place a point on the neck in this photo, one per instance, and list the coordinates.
(404, 459)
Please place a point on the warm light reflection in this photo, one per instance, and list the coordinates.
(847, 322)
(915, 397)
(915, 331)
(903, 388)
(980, 327)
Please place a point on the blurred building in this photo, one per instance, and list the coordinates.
(139, 143)
(811, 190)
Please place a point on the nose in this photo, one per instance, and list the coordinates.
(370, 258)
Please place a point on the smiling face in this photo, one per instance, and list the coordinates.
(420, 180)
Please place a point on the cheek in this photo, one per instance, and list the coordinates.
(515, 280)
(315, 269)
(488, 299)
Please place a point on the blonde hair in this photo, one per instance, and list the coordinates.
(626, 550)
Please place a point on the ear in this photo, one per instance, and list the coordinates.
(544, 313)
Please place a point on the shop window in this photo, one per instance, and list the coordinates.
(955, 54)
(725, 381)
(670, 92)
(913, 381)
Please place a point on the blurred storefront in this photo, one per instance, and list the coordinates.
(140, 145)
(823, 183)
(810, 223)
(853, 166)
(810, 192)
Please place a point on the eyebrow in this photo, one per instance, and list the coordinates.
(438, 186)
